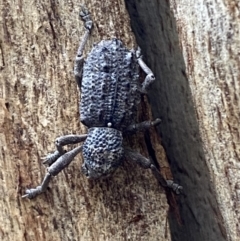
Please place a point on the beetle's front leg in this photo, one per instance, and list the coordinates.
(146, 163)
(88, 24)
(53, 170)
(59, 143)
(150, 76)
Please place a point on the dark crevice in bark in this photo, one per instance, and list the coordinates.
(170, 97)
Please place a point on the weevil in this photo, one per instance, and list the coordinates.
(110, 92)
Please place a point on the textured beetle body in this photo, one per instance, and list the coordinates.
(109, 97)
(110, 92)
(110, 86)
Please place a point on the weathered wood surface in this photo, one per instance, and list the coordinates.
(193, 48)
(38, 102)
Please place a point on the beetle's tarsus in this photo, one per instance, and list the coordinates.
(86, 18)
(176, 188)
(32, 193)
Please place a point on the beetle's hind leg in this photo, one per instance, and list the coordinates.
(59, 143)
(57, 161)
(62, 162)
(88, 24)
(150, 76)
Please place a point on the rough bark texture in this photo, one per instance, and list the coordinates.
(193, 48)
(38, 102)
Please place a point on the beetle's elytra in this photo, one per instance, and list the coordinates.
(110, 86)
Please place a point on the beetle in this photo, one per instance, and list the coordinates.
(110, 92)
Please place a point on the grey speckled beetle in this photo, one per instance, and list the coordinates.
(110, 92)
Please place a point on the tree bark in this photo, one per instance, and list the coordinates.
(39, 102)
(193, 48)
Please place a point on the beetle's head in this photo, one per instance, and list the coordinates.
(102, 152)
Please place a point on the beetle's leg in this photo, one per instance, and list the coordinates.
(146, 163)
(131, 129)
(150, 76)
(60, 142)
(53, 170)
(88, 24)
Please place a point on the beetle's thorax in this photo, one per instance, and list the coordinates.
(102, 152)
